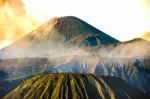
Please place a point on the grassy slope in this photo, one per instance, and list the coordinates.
(75, 86)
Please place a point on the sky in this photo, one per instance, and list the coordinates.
(122, 19)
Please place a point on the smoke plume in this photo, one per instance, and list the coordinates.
(14, 21)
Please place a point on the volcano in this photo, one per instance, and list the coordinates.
(57, 34)
(75, 86)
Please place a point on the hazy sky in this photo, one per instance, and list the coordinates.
(122, 19)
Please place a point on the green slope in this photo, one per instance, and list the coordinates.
(75, 86)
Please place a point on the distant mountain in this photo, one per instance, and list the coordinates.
(136, 48)
(57, 34)
(77, 86)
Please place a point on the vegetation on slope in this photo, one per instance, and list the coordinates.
(75, 86)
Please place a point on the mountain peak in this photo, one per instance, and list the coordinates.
(59, 31)
(65, 18)
(68, 27)
(61, 21)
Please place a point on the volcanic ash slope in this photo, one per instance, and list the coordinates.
(75, 86)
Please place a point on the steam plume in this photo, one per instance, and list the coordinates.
(14, 21)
